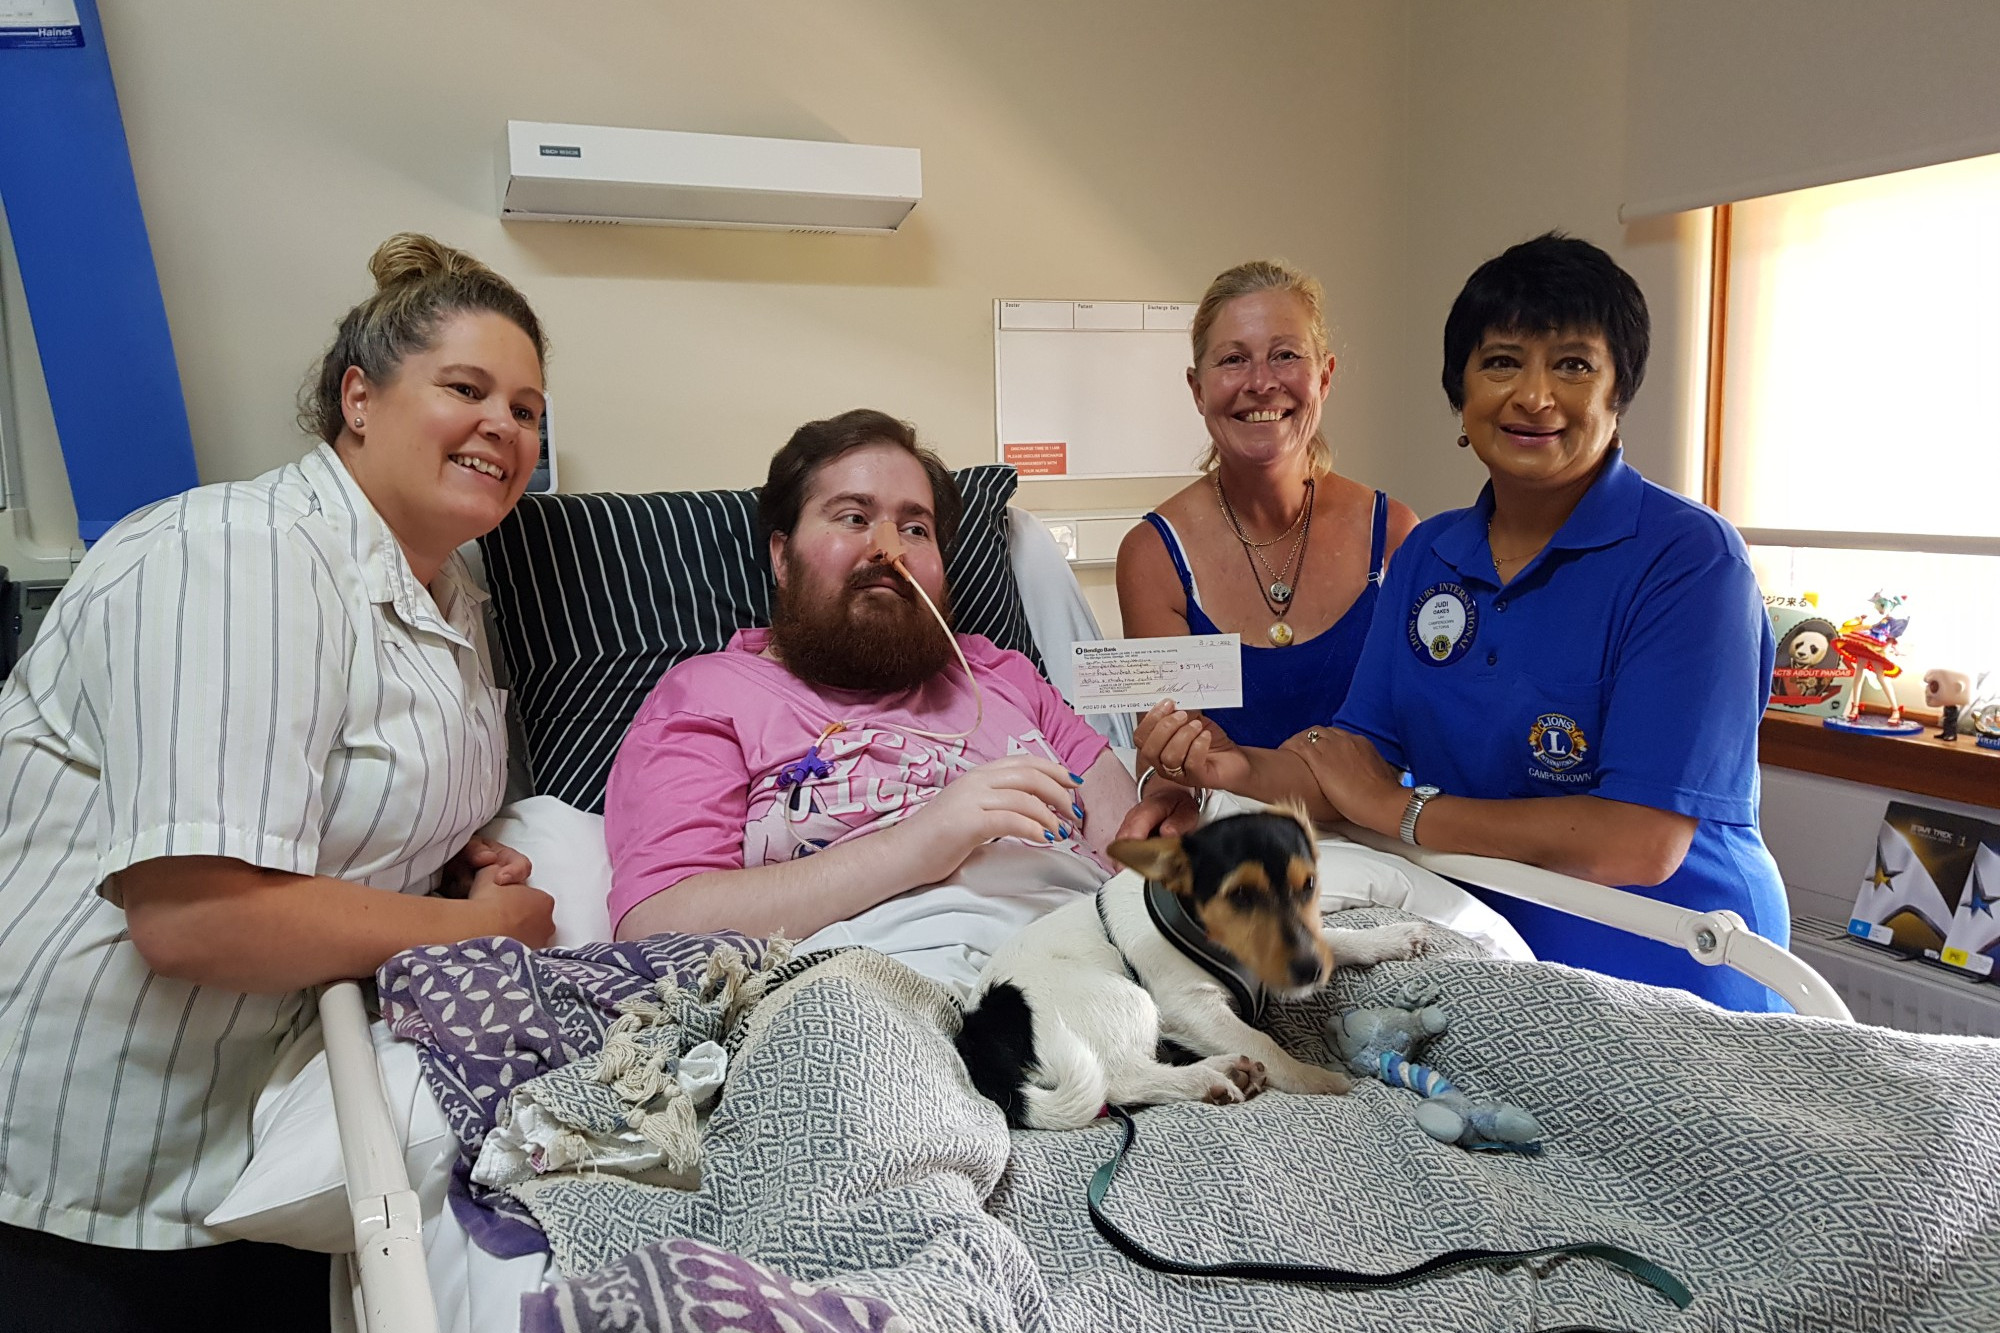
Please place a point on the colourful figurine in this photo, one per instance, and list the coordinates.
(1947, 691)
(1868, 647)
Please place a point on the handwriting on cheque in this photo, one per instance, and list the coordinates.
(1128, 675)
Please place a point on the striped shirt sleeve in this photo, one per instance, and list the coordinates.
(215, 684)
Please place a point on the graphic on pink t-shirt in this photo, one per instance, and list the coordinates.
(877, 776)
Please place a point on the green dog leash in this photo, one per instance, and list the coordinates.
(1348, 1279)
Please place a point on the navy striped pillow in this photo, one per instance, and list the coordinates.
(594, 596)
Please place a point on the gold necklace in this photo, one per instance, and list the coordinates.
(1499, 560)
(1278, 596)
(1222, 497)
(1279, 591)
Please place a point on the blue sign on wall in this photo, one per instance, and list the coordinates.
(93, 293)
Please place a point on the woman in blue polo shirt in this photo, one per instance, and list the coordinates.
(1572, 670)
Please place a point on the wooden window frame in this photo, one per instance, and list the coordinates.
(1718, 346)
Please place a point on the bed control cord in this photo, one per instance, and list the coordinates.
(1342, 1278)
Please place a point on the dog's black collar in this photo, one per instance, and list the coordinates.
(1172, 921)
(1187, 936)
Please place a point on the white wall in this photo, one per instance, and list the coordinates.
(1516, 120)
(1126, 148)
(1122, 148)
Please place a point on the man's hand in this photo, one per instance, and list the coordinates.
(1169, 812)
(1187, 747)
(1016, 797)
(480, 855)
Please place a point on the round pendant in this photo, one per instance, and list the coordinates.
(1281, 592)
(1280, 634)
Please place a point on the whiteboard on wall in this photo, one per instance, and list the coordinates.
(1095, 388)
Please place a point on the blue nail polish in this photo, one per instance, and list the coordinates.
(1078, 811)
(1063, 829)
(1048, 836)
(1077, 779)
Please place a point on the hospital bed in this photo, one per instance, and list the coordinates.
(389, 1289)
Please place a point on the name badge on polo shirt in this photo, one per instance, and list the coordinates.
(1443, 622)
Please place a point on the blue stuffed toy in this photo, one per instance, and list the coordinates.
(1380, 1042)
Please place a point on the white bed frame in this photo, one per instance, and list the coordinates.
(394, 1288)
(391, 1286)
(392, 1291)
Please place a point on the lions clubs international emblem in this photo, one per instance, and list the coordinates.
(1557, 741)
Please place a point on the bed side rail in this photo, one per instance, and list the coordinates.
(1718, 939)
(388, 1223)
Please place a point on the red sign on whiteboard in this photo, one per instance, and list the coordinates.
(1039, 460)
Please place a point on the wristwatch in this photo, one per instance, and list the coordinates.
(1418, 796)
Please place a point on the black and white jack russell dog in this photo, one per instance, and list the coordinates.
(1177, 958)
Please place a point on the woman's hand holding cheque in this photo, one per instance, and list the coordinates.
(1185, 747)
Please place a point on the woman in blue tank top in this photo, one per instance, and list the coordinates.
(1271, 543)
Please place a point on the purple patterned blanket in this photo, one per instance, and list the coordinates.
(490, 1014)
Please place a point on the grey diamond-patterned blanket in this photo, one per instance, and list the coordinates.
(1796, 1174)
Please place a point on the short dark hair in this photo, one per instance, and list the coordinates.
(1551, 284)
(818, 443)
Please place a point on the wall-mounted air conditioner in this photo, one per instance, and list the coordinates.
(672, 178)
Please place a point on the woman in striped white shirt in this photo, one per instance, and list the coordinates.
(257, 729)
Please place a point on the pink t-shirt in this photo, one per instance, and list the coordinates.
(695, 785)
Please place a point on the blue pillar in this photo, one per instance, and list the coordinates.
(93, 293)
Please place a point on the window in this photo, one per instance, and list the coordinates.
(1854, 416)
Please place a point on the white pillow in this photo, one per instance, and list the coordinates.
(294, 1192)
(571, 864)
(1351, 875)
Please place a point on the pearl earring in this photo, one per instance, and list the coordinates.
(1463, 441)
(357, 423)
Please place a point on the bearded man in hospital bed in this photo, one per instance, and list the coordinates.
(854, 775)
(805, 779)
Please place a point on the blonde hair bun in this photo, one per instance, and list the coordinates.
(419, 283)
(411, 256)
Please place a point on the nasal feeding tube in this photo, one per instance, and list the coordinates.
(886, 540)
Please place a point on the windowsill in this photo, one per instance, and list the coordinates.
(1920, 764)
